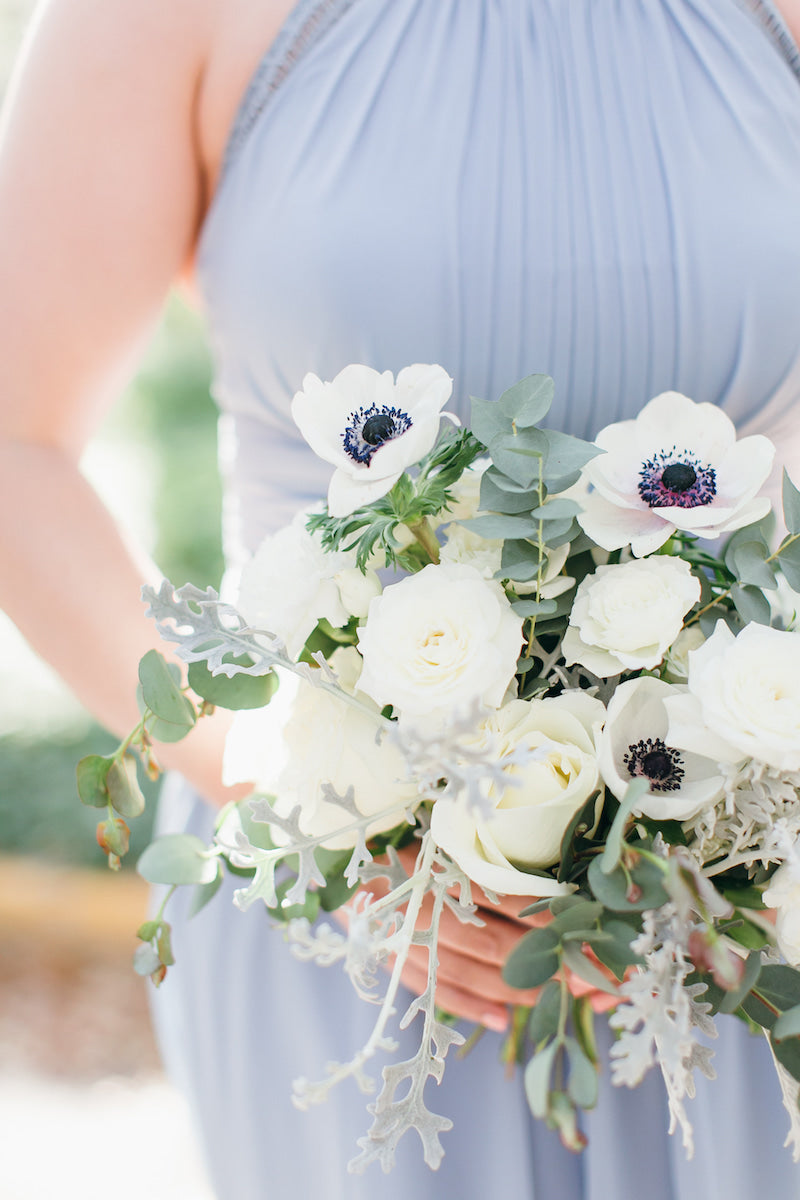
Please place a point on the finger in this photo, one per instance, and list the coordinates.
(481, 980)
(455, 1000)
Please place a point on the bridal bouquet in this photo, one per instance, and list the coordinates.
(513, 651)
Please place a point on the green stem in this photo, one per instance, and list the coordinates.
(424, 534)
(724, 595)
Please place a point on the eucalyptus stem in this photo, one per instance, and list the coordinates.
(726, 593)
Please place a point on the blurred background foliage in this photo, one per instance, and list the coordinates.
(154, 463)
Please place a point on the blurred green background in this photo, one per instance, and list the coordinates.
(154, 463)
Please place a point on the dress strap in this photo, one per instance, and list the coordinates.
(306, 23)
(775, 27)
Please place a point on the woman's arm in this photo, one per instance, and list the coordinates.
(790, 11)
(101, 195)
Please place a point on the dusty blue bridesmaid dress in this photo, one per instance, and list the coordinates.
(605, 190)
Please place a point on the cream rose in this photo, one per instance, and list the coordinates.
(310, 738)
(744, 697)
(436, 642)
(783, 894)
(291, 582)
(626, 616)
(529, 820)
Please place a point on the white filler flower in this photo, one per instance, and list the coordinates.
(678, 465)
(635, 745)
(291, 582)
(783, 894)
(626, 616)
(744, 698)
(529, 821)
(436, 642)
(371, 428)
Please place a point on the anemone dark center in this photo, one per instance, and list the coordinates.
(659, 764)
(370, 428)
(378, 429)
(676, 479)
(679, 477)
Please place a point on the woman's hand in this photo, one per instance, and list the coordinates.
(471, 957)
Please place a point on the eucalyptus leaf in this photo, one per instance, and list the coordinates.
(558, 532)
(791, 504)
(614, 890)
(580, 965)
(613, 847)
(780, 985)
(534, 608)
(752, 970)
(164, 945)
(581, 916)
(528, 401)
(500, 525)
(488, 421)
(519, 561)
(617, 954)
(123, 788)
(750, 565)
(789, 559)
(177, 858)
(92, 772)
(520, 455)
(787, 1053)
(566, 456)
(162, 694)
(582, 1086)
(545, 1013)
(557, 509)
(533, 960)
(504, 499)
(537, 1079)
(787, 1024)
(751, 604)
(232, 692)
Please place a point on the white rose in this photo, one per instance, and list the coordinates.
(783, 894)
(678, 465)
(528, 821)
(635, 745)
(437, 641)
(357, 589)
(293, 749)
(371, 428)
(626, 616)
(744, 697)
(290, 583)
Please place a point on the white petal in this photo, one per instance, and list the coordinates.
(598, 661)
(346, 494)
(673, 419)
(612, 527)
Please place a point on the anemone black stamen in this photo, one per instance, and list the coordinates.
(678, 479)
(370, 428)
(659, 764)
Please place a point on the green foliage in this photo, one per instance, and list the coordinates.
(371, 529)
(233, 692)
(178, 858)
(123, 787)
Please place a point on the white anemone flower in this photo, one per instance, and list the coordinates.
(370, 427)
(678, 465)
(635, 745)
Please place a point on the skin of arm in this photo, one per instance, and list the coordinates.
(100, 200)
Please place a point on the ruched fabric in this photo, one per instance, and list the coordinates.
(605, 190)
